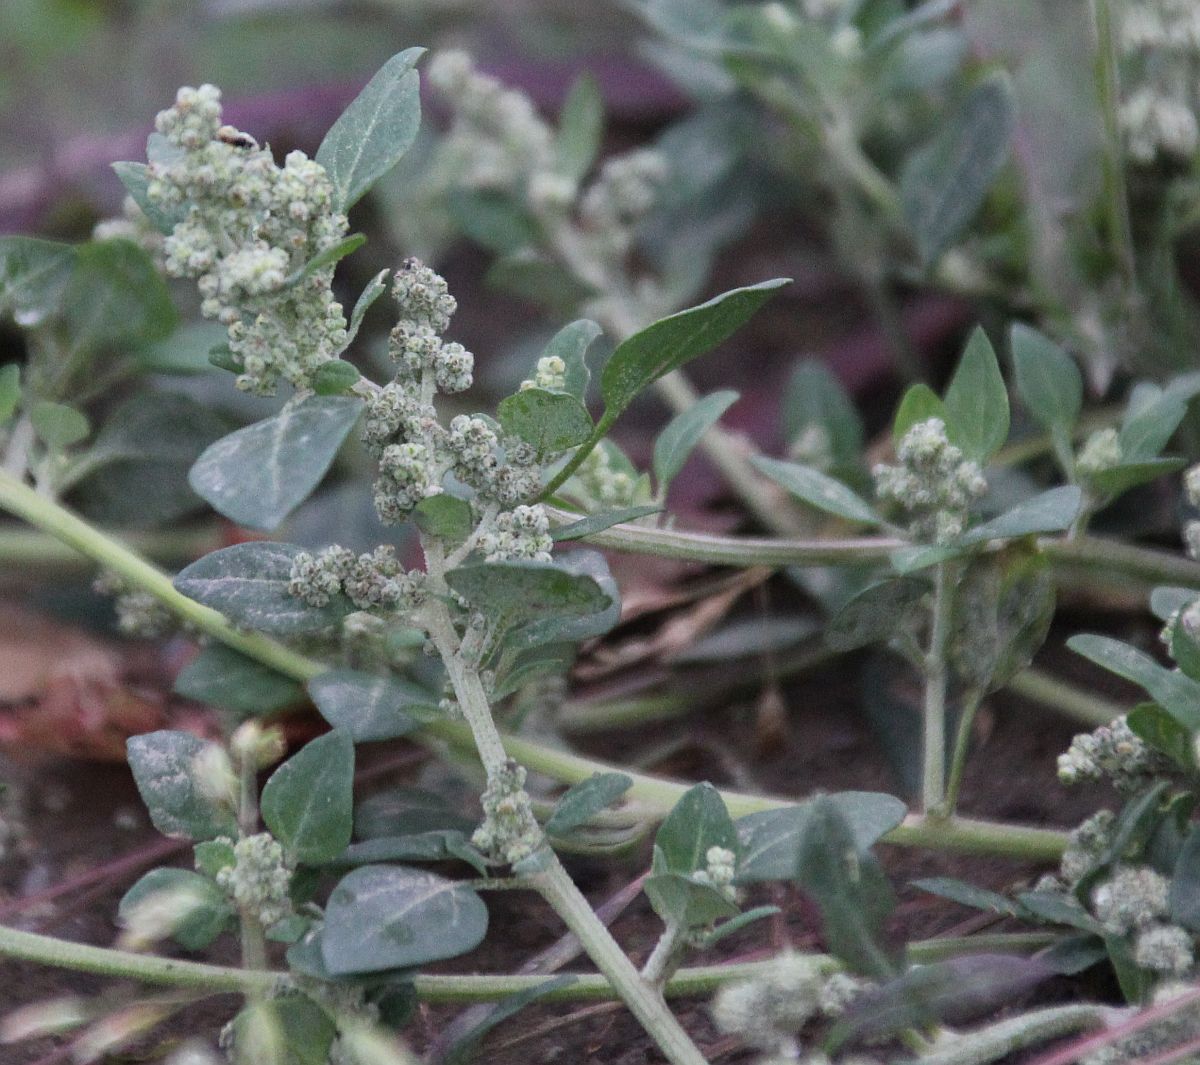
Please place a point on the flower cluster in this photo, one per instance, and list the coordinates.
(1116, 752)
(139, 614)
(601, 481)
(509, 831)
(933, 482)
(719, 871)
(523, 532)
(550, 374)
(374, 582)
(1135, 901)
(1160, 42)
(260, 879)
(248, 228)
(621, 196)
(1191, 529)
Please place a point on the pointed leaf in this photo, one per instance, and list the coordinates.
(920, 403)
(1049, 382)
(817, 490)
(677, 441)
(1051, 511)
(580, 128)
(571, 344)
(977, 401)
(1176, 693)
(698, 821)
(308, 802)
(162, 765)
(595, 523)
(579, 802)
(815, 397)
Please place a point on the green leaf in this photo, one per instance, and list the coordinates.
(876, 614)
(697, 822)
(1048, 381)
(57, 425)
(977, 401)
(213, 855)
(324, 259)
(1185, 650)
(162, 767)
(225, 678)
(815, 397)
(10, 391)
(571, 344)
(289, 1030)
(248, 583)
(945, 183)
(185, 351)
(1185, 883)
(522, 590)
(1149, 425)
(581, 801)
(1176, 693)
(535, 277)
(367, 707)
(670, 343)
(817, 490)
(1151, 723)
(389, 917)
(407, 812)
(580, 128)
(444, 516)
(260, 474)
(968, 895)
(1051, 511)
(376, 287)
(308, 802)
(116, 297)
(438, 845)
(33, 277)
(595, 523)
(677, 441)
(1054, 907)
(205, 912)
(1117, 480)
(920, 403)
(552, 422)
(771, 839)
(335, 377)
(377, 128)
(1166, 600)
(678, 899)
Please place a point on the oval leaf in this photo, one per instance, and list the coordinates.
(586, 798)
(977, 414)
(162, 765)
(223, 677)
(551, 421)
(368, 707)
(308, 802)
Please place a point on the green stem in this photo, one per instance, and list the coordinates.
(933, 771)
(25, 548)
(1084, 706)
(962, 743)
(1015, 1033)
(576, 460)
(665, 955)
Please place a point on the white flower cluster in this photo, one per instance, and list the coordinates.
(1160, 41)
(1087, 843)
(550, 374)
(1136, 901)
(249, 226)
(719, 871)
(372, 582)
(259, 881)
(139, 614)
(621, 196)
(1101, 451)
(1116, 752)
(768, 1011)
(509, 831)
(523, 532)
(600, 482)
(933, 482)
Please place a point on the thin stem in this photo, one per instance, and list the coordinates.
(933, 771)
(24, 548)
(962, 742)
(1016, 1033)
(665, 955)
(1083, 705)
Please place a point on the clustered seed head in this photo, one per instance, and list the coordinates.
(1116, 752)
(1134, 897)
(1165, 948)
(601, 482)
(719, 871)
(1087, 843)
(932, 481)
(139, 614)
(260, 879)
(1101, 452)
(373, 582)
(550, 374)
(623, 193)
(509, 831)
(523, 532)
(248, 226)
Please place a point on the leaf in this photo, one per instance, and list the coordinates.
(678, 899)
(1074, 954)
(581, 801)
(205, 911)
(439, 845)
(376, 287)
(335, 377)
(248, 583)
(696, 823)
(535, 277)
(580, 128)
(920, 403)
(368, 707)
(289, 1030)
(161, 763)
(1116, 480)
(771, 839)
(876, 614)
(815, 397)
(524, 590)
(258, 475)
(184, 351)
(1176, 693)
(1165, 600)
(670, 343)
(594, 523)
(1054, 907)
(10, 391)
(33, 277)
(308, 801)
(1185, 883)
(57, 425)
(1048, 381)
(225, 678)
(445, 517)
(571, 344)
(817, 490)
(968, 895)
(552, 422)
(324, 259)
(116, 297)
(945, 183)
(677, 441)
(389, 917)
(1149, 426)
(735, 924)
(1051, 511)
(377, 128)
(977, 401)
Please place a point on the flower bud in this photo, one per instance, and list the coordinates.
(257, 745)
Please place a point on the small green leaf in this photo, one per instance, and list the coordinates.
(1048, 381)
(389, 917)
(1050, 511)
(368, 707)
(875, 614)
(258, 475)
(678, 899)
(308, 802)
(815, 397)
(184, 352)
(57, 425)
(1149, 424)
(10, 391)
(677, 441)
(580, 127)
(445, 517)
(225, 678)
(920, 403)
(1054, 907)
(335, 377)
(552, 422)
(1151, 723)
(375, 288)
(116, 297)
(945, 183)
(1117, 480)
(1176, 693)
(697, 822)
(377, 128)
(571, 344)
(968, 895)
(33, 277)
(817, 490)
(595, 523)
(528, 590)
(324, 259)
(977, 401)
(670, 343)
(213, 855)
(581, 801)
(248, 583)
(438, 845)
(205, 912)
(162, 765)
